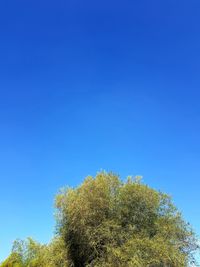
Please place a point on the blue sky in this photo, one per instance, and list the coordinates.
(86, 86)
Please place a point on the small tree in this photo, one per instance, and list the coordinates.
(29, 253)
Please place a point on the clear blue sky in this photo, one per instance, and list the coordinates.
(91, 85)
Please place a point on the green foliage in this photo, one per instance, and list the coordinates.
(29, 253)
(106, 222)
(56, 255)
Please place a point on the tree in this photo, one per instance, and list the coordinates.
(25, 253)
(29, 253)
(108, 222)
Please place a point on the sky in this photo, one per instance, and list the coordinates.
(96, 85)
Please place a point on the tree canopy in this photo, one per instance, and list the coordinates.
(107, 222)
(29, 253)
